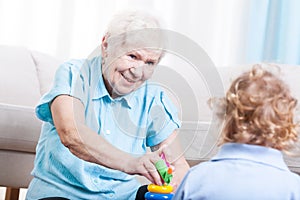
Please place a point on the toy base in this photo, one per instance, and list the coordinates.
(157, 196)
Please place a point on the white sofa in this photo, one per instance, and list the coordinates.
(26, 75)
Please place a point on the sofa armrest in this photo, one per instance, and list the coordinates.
(20, 129)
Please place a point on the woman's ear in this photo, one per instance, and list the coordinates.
(104, 46)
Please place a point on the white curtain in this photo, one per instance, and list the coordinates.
(73, 28)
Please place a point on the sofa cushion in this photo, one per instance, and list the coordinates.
(18, 81)
(45, 68)
(15, 169)
(20, 129)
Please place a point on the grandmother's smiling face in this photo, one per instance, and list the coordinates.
(128, 72)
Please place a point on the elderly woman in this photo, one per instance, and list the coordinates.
(101, 115)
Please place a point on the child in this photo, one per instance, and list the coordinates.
(258, 125)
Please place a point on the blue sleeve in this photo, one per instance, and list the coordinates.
(69, 81)
(163, 119)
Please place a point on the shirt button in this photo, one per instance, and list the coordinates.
(107, 132)
(95, 181)
(111, 195)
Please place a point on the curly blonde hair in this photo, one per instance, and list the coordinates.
(260, 110)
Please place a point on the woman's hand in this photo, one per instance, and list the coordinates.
(145, 166)
(175, 157)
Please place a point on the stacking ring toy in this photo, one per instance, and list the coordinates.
(164, 189)
(156, 196)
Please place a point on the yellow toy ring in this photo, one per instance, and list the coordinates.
(164, 189)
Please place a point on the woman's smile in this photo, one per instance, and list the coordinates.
(128, 79)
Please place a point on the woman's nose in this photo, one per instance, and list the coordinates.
(137, 69)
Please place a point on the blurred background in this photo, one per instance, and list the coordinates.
(232, 32)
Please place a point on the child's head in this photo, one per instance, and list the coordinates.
(260, 110)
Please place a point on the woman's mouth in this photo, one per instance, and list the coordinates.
(128, 79)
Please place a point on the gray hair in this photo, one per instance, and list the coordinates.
(134, 30)
(128, 21)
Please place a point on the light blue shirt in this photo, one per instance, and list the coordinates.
(241, 172)
(143, 118)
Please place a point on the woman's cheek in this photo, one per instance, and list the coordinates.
(148, 73)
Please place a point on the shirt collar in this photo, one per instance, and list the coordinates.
(127, 99)
(100, 89)
(255, 153)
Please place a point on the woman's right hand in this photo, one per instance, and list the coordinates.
(145, 166)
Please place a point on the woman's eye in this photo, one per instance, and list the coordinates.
(150, 63)
(132, 56)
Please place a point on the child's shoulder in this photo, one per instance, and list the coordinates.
(202, 168)
(296, 177)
